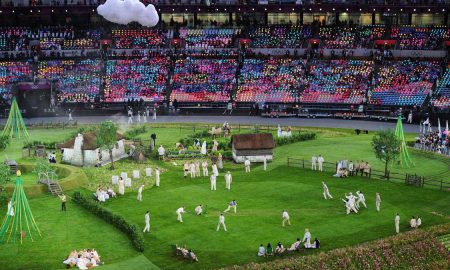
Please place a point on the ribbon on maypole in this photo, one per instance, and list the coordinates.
(15, 126)
(405, 158)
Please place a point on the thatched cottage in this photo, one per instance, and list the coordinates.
(84, 151)
(253, 147)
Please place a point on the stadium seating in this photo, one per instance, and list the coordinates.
(13, 72)
(138, 38)
(338, 37)
(404, 83)
(208, 38)
(280, 36)
(13, 38)
(419, 38)
(442, 99)
(136, 79)
(270, 80)
(77, 81)
(203, 80)
(337, 81)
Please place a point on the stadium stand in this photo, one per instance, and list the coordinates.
(208, 38)
(279, 36)
(13, 72)
(442, 93)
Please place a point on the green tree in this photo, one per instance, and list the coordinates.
(386, 147)
(5, 174)
(107, 138)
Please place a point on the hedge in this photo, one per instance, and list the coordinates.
(131, 230)
(296, 137)
(134, 132)
(417, 249)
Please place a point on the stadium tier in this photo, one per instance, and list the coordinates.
(270, 80)
(209, 38)
(203, 80)
(139, 38)
(404, 83)
(136, 79)
(13, 72)
(442, 99)
(338, 81)
(279, 36)
(77, 81)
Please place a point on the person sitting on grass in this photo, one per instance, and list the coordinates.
(261, 251)
(269, 250)
(295, 245)
(316, 243)
(413, 222)
(192, 255)
(110, 192)
(418, 222)
(279, 249)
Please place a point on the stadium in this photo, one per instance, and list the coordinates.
(225, 134)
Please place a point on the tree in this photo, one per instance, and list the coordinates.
(386, 146)
(5, 174)
(107, 138)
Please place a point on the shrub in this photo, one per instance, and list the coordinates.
(134, 132)
(4, 142)
(131, 230)
(43, 166)
(296, 137)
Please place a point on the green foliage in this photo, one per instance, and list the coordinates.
(5, 174)
(296, 137)
(48, 145)
(131, 230)
(134, 132)
(43, 166)
(4, 142)
(107, 135)
(386, 147)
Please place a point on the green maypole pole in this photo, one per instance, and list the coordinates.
(405, 158)
(19, 221)
(15, 126)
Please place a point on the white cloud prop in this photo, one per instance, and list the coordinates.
(127, 11)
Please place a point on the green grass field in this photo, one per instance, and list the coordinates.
(261, 197)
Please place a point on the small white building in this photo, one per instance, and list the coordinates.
(253, 147)
(84, 151)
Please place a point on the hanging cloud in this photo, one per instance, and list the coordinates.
(127, 11)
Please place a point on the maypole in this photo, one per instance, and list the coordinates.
(405, 158)
(15, 126)
(19, 221)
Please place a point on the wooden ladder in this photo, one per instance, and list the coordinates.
(55, 189)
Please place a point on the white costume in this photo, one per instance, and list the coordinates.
(139, 196)
(307, 239)
(285, 218)
(361, 199)
(410, 117)
(205, 168)
(247, 165)
(265, 163)
(130, 117)
(326, 192)
(215, 171)
(147, 222)
(232, 204)
(413, 223)
(198, 210)
(192, 169)
(228, 180)
(203, 151)
(157, 179)
(314, 163)
(121, 186)
(221, 222)
(179, 212)
(419, 222)
(378, 202)
(197, 169)
(10, 209)
(154, 114)
(397, 223)
(350, 204)
(320, 160)
(161, 151)
(213, 179)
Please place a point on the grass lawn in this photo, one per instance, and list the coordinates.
(261, 197)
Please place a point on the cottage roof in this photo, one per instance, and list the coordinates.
(253, 141)
(89, 141)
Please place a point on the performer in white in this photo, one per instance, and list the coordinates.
(213, 179)
(361, 199)
(215, 171)
(205, 168)
(199, 209)
(121, 186)
(279, 131)
(145, 115)
(197, 168)
(147, 222)
(139, 116)
(161, 152)
(397, 223)
(221, 222)
(10, 208)
(186, 168)
(326, 191)
(154, 113)
(285, 218)
(203, 150)
(130, 116)
(139, 196)
(350, 203)
(410, 117)
(192, 169)
(307, 239)
(314, 163)
(179, 212)
(265, 163)
(157, 179)
(70, 115)
(232, 204)
(378, 201)
(228, 180)
(247, 165)
(320, 160)
(215, 146)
